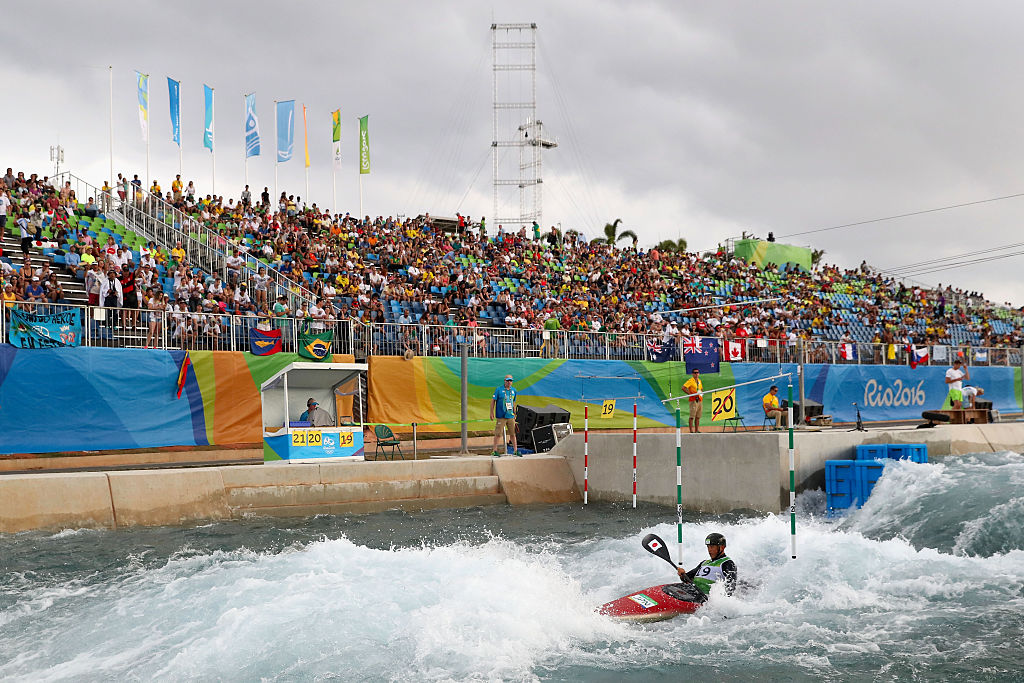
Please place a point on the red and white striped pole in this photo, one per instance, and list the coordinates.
(634, 454)
(586, 453)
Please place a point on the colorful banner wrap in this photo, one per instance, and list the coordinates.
(252, 127)
(46, 330)
(143, 88)
(208, 113)
(285, 130)
(125, 398)
(174, 97)
(336, 137)
(364, 144)
(426, 389)
(100, 399)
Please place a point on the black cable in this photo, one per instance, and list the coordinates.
(905, 215)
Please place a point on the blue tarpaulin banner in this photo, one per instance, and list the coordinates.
(46, 330)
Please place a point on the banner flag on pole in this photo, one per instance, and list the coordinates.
(305, 134)
(316, 345)
(264, 343)
(174, 96)
(186, 363)
(252, 127)
(208, 129)
(364, 145)
(336, 136)
(143, 82)
(285, 130)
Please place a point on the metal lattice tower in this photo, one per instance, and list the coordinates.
(515, 124)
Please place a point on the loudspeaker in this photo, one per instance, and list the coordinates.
(545, 437)
(811, 408)
(529, 418)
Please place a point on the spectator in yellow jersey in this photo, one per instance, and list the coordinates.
(770, 403)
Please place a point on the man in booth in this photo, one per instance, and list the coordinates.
(315, 415)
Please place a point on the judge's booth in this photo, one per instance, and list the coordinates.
(335, 430)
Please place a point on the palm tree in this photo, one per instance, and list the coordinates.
(612, 234)
(816, 255)
(672, 246)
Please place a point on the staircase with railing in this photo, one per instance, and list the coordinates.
(153, 218)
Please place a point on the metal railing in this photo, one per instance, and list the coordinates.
(153, 218)
(175, 328)
(193, 330)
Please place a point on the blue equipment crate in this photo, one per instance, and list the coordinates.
(867, 473)
(915, 452)
(872, 451)
(840, 484)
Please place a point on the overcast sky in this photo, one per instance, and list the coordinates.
(684, 119)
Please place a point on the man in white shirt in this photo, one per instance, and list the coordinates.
(5, 205)
(971, 394)
(955, 377)
(234, 265)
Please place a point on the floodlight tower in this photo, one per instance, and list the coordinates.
(515, 124)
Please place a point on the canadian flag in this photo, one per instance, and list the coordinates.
(846, 351)
(735, 350)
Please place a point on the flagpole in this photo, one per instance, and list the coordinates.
(110, 69)
(245, 142)
(305, 140)
(149, 184)
(213, 147)
(275, 201)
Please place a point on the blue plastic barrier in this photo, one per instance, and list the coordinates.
(872, 451)
(867, 474)
(841, 488)
(915, 452)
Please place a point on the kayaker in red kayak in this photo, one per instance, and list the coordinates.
(717, 568)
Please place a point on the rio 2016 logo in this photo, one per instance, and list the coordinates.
(897, 395)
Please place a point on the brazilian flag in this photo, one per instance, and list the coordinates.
(316, 345)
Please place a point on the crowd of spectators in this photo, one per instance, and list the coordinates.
(423, 271)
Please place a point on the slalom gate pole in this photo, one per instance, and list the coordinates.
(634, 454)
(792, 474)
(679, 483)
(586, 451)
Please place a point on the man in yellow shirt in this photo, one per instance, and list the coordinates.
(694, 387)
(770, 403)
(178, 254)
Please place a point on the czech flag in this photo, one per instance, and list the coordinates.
(186, 362)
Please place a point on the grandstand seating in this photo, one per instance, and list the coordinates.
(439, 274)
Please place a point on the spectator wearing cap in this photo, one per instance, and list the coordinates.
(315, 415)
(503, 411)
(34, 292)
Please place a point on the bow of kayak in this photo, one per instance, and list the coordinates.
(656, 603)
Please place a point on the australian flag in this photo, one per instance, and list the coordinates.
(701, 353)
(264, 343)
(665, 351)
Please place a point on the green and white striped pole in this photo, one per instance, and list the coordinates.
(792, 473)
(679, 482)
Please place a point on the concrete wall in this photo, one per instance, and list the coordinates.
(722, 472)
(183, 496)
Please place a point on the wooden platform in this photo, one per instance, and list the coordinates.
(965, 416)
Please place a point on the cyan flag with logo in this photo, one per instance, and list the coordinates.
(285, 130)
(252, 127)
(174, 96)
(208, 130)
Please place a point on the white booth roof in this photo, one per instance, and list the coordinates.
(311, 375)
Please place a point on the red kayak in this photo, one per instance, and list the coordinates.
(656, 603)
